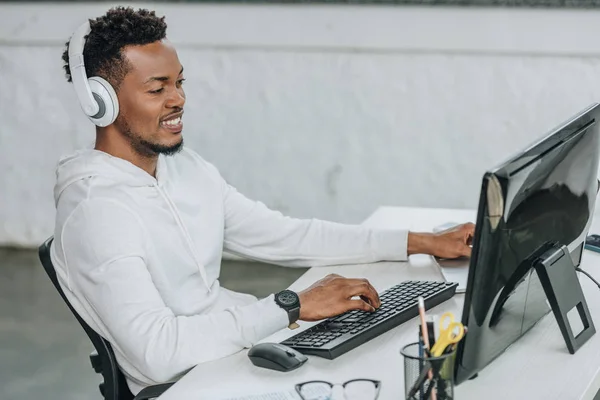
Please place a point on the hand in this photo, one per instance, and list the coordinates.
(332, 296)
(451, 243)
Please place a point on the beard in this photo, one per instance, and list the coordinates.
(145, 147)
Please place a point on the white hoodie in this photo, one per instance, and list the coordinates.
(139, 258)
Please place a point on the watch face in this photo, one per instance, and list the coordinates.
(287, 298)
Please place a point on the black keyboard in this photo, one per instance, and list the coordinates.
(338, 335)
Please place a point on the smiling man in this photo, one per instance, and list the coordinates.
(142, 222)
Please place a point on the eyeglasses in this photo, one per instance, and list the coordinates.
(356, 389)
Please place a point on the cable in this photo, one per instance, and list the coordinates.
(589, 276)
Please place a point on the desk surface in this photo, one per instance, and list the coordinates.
(538, 366)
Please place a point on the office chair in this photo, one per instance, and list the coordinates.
(103, 358)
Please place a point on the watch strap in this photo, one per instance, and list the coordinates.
(293, 325)
(294, 315)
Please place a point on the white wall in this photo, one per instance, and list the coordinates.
(325, 111)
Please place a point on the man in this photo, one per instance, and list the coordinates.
(142, 222)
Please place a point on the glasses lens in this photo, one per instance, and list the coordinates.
(316, 391)
(360, 390)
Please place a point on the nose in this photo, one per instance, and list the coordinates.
(176, 99)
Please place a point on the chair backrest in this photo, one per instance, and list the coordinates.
(115, 385)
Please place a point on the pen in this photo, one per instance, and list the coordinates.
(431, 332)
(425, 334)
(423, 323)
(419, 384)
(421, 365)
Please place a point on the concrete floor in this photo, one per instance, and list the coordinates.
(44, 352)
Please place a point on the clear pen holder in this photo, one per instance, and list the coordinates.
(427, 378)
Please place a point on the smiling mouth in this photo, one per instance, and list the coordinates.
(173, 124)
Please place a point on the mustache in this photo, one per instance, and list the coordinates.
(177, 110)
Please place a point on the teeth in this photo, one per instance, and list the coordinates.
(172, 122)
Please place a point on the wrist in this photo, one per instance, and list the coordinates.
(302, 296)
(419, 243)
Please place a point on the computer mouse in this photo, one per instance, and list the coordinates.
(276, 356)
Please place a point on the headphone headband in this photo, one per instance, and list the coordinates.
(77, 68)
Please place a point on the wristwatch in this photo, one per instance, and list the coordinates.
(290, 302)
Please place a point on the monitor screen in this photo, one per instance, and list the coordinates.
(544, 194)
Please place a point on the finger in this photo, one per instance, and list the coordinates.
(467, 233)
(466, 251)
(470, 240)
(366, 300)
(360, 305)
(469, 228)
(364, 288)
(373, 296)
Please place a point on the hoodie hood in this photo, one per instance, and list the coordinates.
(90, 163)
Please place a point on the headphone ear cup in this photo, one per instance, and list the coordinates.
(107, 100)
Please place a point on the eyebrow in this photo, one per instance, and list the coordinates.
(160, 78)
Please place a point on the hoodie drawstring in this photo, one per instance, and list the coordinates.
(186, 234)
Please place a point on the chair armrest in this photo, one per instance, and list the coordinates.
(152, 392)
(96, 362)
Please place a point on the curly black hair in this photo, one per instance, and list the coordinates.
(111, 32)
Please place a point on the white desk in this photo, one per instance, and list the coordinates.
(538, 366)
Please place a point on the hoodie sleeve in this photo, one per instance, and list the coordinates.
(105, 253)
(254, 231)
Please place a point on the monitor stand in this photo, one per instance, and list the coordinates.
(558, 277)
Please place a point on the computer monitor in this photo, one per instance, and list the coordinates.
(546, 193)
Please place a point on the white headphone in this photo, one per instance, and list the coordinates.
(96, 96)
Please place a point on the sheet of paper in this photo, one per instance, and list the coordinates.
(290, 395)
(313, 391)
